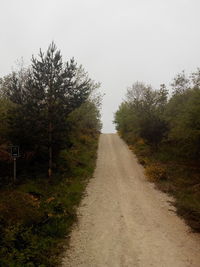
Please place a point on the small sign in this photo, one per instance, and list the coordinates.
(15, 151)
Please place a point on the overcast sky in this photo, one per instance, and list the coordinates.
(117, 41)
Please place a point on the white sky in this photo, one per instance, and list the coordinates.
(117, 41)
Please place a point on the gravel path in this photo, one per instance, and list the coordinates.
(125, 221)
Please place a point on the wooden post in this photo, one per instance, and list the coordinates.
(14, 171)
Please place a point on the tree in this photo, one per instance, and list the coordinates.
(44, 96)
(142, 113)
(180, 83)
(195, 79)
(175, 122)
(182, 114)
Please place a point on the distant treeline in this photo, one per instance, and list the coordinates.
(162, 118)
(40, 107)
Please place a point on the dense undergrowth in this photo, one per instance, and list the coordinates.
(36, 216)
(175, 176)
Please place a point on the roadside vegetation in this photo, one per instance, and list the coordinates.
(51, 110)
(164, 131)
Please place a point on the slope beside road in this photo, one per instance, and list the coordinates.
(125, 221)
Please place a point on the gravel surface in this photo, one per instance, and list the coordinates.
(125, 221)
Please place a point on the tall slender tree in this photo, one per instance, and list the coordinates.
(58, 90)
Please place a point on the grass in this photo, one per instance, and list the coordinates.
(173, 175)
(36, 216)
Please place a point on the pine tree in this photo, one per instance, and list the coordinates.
(57, 90)
(44, 97)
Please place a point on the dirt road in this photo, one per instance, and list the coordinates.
(124, 221)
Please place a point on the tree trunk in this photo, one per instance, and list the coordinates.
(50, 150)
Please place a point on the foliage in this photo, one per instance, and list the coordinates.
(164, 132)
(150, 115)
(156, 172)
(52, 111)
(37, 215)
(141, 114)
(43, 96)
(182, 113)
(5, 105)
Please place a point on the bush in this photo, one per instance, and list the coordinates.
(156, 172)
